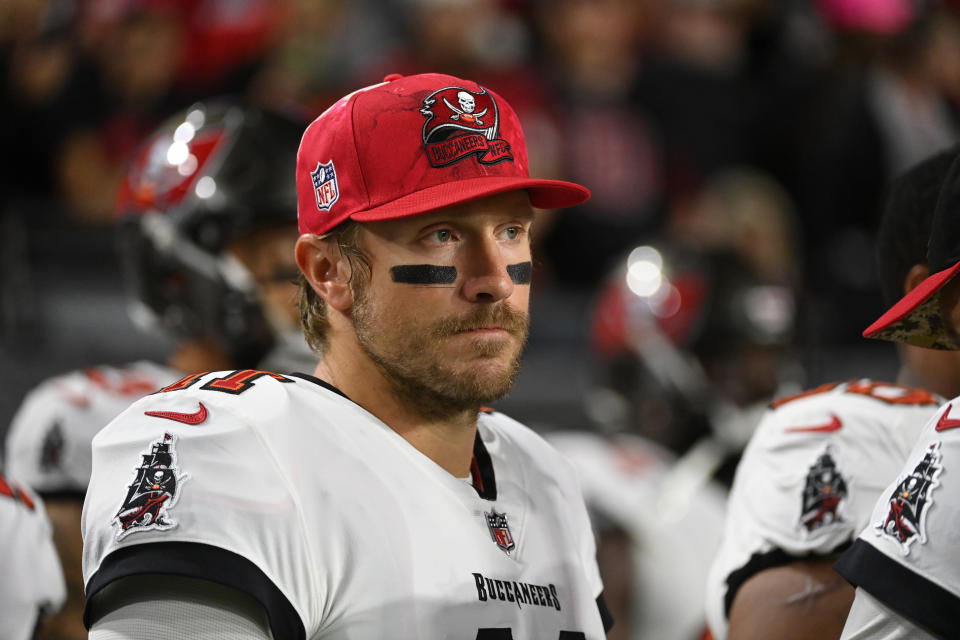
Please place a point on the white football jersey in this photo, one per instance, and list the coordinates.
(32, 583)
(48, 442)
(906, 556)
(674, 524)
(282, 487)
(809, 477)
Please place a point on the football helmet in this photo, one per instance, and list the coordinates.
(210, 175)
(687, 338)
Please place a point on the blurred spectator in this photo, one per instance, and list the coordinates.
(591, 56)
(883, 106)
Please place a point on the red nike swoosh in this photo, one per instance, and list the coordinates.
(196, 417)
(833, 425)
(945, 423)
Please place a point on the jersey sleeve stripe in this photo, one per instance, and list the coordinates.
(605, 616)
(196, 560)
(925, 603)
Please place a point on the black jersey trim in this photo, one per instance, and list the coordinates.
(488, 480)
(318, 381)
(197, 560)
(762, 561)
(922, 601)
(605, 616)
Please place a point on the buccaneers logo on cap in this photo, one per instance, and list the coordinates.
(911, 500)
(460, 124)
(152, 492)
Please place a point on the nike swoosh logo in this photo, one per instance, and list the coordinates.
(833, 425)
(196, 417)
(945, 423)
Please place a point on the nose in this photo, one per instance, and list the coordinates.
(486, 277)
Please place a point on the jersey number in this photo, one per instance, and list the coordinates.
(235, 382)
(505, 633)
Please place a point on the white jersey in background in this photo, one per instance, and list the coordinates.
(48, 442)
(809, 478)
(31, 580)
(285, 489)
(673, 519)
(906, 557)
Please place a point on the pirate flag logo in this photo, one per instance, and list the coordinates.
(51, 451)
(910, 501)
(500, 530)
(460, 124)
(823, 493)
(152, 492)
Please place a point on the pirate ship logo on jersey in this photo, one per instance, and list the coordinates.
(910, 501)
(823, 493)
(153, 492)
(51, 451)
(500, 530)
(460, 124)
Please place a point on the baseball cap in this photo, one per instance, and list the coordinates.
(414, 144)
(916, 318)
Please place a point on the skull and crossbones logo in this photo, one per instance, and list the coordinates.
(466, 111)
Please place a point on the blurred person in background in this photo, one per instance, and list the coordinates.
(32, 588)
(809, 477)
(591, 57)
(881, 105)
(207, 222)
(903, 563)
(693, 341)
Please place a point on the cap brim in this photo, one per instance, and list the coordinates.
(916, 319)
(544, 194)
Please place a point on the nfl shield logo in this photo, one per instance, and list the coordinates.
(325, 186)
(500, 531)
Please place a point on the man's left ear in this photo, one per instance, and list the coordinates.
(917, 274)
(326, 269)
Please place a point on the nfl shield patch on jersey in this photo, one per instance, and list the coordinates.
(500, 530)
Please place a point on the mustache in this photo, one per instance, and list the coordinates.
(501, 316)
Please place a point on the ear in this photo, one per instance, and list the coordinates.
(326, 269)
(917, 274)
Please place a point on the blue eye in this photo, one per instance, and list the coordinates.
(512, 233)
(442, 235)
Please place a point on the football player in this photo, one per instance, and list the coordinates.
(375, 498)
(681, 334)
(32, 587)
(808, 479)
(207, 225)
(903, 563)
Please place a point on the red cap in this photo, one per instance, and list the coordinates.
(415, 144)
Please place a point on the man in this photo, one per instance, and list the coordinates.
(221, 290)
(374, 499)
(808, 479)
(903, 564)
(32, 587)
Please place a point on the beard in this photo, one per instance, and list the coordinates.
(410, 353)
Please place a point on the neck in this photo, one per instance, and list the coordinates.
(194, 356)
(447, 440)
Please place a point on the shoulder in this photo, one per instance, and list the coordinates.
(28, 560)
(48, 441)
(859, 412)
(518, 440)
